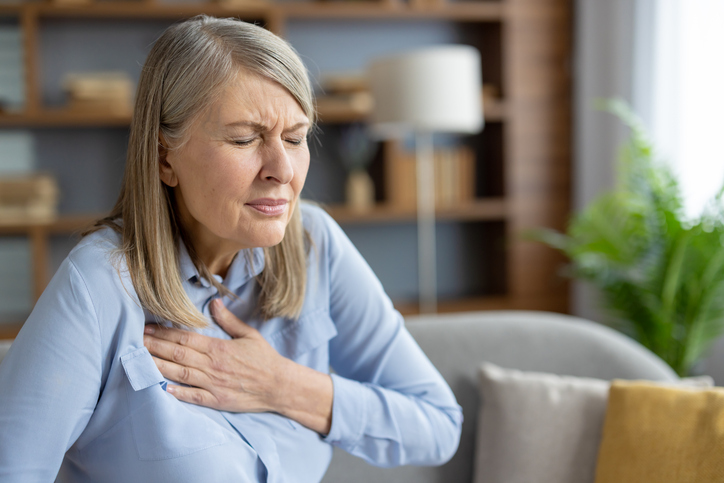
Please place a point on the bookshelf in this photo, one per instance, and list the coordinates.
(522, 156)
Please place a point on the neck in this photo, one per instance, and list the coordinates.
(215, 253)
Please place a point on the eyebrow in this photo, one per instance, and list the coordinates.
(261, 127)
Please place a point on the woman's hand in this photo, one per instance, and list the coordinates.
(244, 374)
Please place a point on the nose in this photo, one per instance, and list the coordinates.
(277, 164)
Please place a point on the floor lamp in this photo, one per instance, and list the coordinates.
(433, 90)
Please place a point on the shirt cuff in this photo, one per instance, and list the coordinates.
(349, 412)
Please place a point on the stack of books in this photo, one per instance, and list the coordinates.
(108, 92)
(12, 83)
(454, 178)
(28, 199)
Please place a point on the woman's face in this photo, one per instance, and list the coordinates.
(238, 178)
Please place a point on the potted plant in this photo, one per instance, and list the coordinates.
(661, 274)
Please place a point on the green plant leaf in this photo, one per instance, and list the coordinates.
(661, 275)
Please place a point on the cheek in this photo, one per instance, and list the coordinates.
(218, 188)
(300, 173)
(233, 182)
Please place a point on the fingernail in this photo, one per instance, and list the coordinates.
(149, 329)
(170, 389)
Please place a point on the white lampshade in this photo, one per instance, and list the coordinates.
(436, 89)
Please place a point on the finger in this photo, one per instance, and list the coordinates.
(193, 395)
(228, 321)
(182, 374)
(174, 352)
(197, 342)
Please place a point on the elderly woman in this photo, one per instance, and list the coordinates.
(135, 364)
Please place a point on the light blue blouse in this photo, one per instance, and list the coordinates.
(81, 398)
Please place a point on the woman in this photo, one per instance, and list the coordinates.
(209, 231)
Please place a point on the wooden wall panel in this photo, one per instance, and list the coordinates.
(537, 39)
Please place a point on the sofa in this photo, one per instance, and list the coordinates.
(529, 341)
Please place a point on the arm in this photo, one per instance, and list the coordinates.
(49, 380)
(391, 406)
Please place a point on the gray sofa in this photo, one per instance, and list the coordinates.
(533, 341)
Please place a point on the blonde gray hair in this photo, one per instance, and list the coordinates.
(186, 69)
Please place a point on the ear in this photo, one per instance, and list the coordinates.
(165, 170)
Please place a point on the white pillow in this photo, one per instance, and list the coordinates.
(538, 427)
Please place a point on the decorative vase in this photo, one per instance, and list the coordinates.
(360, 191)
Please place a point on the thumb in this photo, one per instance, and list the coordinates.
(228, 321)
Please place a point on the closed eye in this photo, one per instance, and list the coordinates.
(244, 142)
(295, 142)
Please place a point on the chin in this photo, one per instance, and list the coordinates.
(269, 239)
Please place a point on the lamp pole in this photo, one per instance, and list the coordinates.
(426, 250)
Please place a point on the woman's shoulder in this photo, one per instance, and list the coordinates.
(99, 263)
(96, 250)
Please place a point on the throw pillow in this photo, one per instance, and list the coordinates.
(662, 434)
(538, 427)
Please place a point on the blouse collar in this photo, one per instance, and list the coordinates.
(247, 263)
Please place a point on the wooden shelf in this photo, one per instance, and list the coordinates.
(495, 111)
(61, 225)
(64, 118)
(463, 11)
(137, 10)
(557, 303)
(494, 209)
(406, 308)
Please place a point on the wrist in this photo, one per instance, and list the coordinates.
(305, 396)
(284, 390)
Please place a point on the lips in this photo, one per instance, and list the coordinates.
(268, 206)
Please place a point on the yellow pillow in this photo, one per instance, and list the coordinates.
(655, 433)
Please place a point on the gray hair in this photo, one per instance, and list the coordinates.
(198, 56)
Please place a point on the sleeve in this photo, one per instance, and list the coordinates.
(391, 406)
(49, 381)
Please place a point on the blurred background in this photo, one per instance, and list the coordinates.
(68, 70)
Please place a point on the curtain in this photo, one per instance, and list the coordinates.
(679, 90)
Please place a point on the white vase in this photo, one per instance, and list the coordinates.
(360, 191)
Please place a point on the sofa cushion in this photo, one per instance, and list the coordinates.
(663, 434)
(540, 427)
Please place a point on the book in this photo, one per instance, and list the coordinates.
(110, 91)
(26, 198)
(454, 174)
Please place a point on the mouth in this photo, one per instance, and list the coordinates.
(269, 206)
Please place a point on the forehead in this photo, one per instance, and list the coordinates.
(251, 97)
